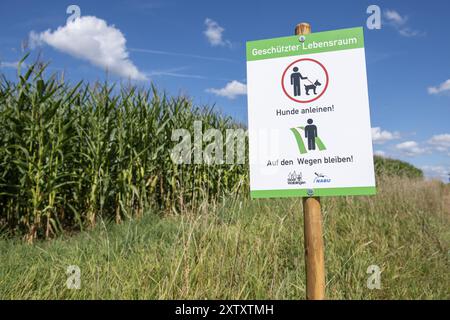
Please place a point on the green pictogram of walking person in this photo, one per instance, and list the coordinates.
(310, 133)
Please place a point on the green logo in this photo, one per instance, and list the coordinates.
(299, 132)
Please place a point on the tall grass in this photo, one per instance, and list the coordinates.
(70, 155)
(242, 249)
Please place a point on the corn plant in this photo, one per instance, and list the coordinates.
(71, 154)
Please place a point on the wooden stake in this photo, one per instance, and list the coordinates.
(314, 252)
(314, 255)
(302, 28)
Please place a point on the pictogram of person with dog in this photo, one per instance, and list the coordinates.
(296, 78)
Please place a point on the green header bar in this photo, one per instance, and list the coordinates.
(319, 192)
(335, 40)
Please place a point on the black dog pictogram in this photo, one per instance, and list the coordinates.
(312, 87)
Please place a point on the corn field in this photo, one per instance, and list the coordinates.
(71, 154)
(397, 168)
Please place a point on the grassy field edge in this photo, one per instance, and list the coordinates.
(243, 249)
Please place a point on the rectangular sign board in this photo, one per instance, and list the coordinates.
(308, 115)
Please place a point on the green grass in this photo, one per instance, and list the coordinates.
(242, 249)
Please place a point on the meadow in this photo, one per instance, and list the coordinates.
(86, 179)
(241, 249)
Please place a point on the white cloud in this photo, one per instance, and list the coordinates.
(410, 148)
(92, 39)
(443, 87)
(214, 33)
(231, 90)
(381, 136)
(399, 22)
(175, 72)
(408, 32)
(440, 142)
(380, 153)
(394, 17)
(13, 65)
(179, 54)
(436, 172)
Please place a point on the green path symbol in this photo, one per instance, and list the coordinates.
(298, 137)
(301, 144)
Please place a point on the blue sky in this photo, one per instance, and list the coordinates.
(197, 48)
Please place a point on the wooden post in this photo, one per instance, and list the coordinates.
(314, 252)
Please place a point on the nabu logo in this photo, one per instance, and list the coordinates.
(321, 178)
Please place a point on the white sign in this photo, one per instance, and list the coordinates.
(308, 114)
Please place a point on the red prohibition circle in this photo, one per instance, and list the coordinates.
(296, 61)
